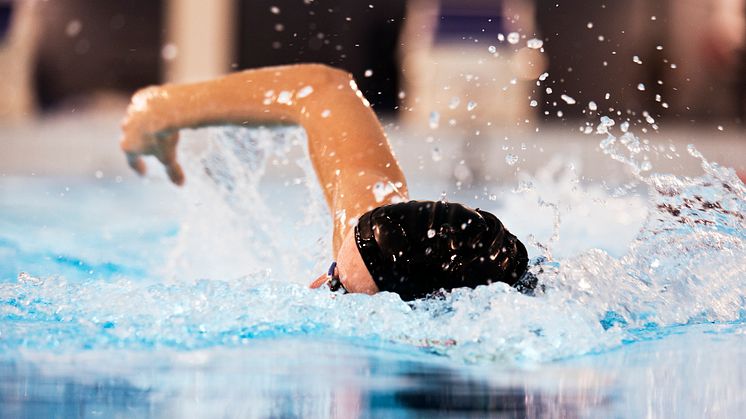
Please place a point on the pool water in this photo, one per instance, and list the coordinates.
(129, 297)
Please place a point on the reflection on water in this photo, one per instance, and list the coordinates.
(694, 372)
(283, 378)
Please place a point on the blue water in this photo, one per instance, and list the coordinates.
(199, 296)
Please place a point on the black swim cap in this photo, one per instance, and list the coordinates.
(418, 247)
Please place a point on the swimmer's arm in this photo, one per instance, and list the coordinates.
(346, 143)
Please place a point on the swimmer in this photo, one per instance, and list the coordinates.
(382, 241)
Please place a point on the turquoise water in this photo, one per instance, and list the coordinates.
(199, 297)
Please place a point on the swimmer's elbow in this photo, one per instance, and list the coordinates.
(330, 75)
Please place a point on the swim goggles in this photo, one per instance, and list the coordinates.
(333, 281)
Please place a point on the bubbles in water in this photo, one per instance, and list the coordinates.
(514, 37)
(569, 100)
(511, 159)
(434, 120)
(534, 43)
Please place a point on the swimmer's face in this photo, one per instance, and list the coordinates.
(351, 269)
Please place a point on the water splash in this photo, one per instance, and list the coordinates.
(685, 266)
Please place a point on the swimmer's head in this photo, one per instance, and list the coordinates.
(419, 247)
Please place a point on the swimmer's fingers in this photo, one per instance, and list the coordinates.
(166, 152)
(136, 163)
(319, 281)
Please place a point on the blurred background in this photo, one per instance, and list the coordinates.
(460, 77)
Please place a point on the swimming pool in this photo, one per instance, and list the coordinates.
(123, 297)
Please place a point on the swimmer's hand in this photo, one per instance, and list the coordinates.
(146, 132)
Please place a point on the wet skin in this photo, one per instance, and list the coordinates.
(347, 146)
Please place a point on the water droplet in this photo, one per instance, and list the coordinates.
(284, 98)
(169, 52)
(589, 25)
(720, 127)
(453, 104)
(368, 73)
(592, 106)
(73, 28)
(543, 76)
(275, 10)
(436, 155)
(511, 159)
(434, 120)
(533, 103)
(549, 90)
(304, 92)
(641, 87)
(500, 37)
(569, 100)
(492, 49)
(470, 106)
(693, 151)
(514, 37)
(636, 60)
(534, 43)
(430, 233)
(325, 113)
